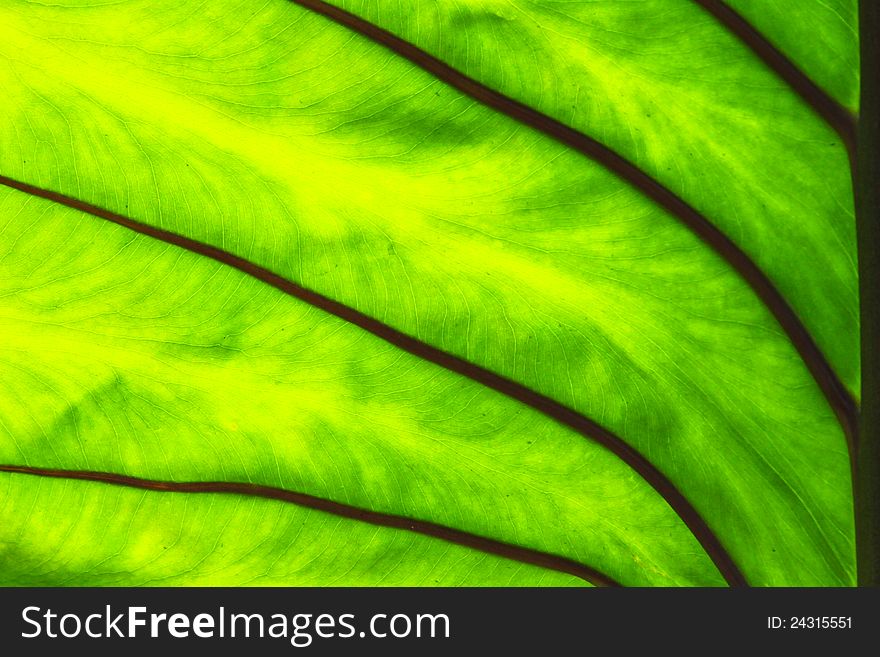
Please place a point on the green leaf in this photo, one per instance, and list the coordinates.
(199, 540)
(592, 307)
(820, 35)
(664, 84)
(123, 354)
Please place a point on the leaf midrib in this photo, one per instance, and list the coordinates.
(566, 416)
(450, 535)
(835, 392)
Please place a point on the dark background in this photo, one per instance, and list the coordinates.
(497, 621)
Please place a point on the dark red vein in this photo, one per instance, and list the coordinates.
(562, 414)
(839, 398)
(838, 117)
(456, 536)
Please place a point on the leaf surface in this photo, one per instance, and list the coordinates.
(221, 540)
(304, 150)
(215, 376)
(820, 35)
(667, 86)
